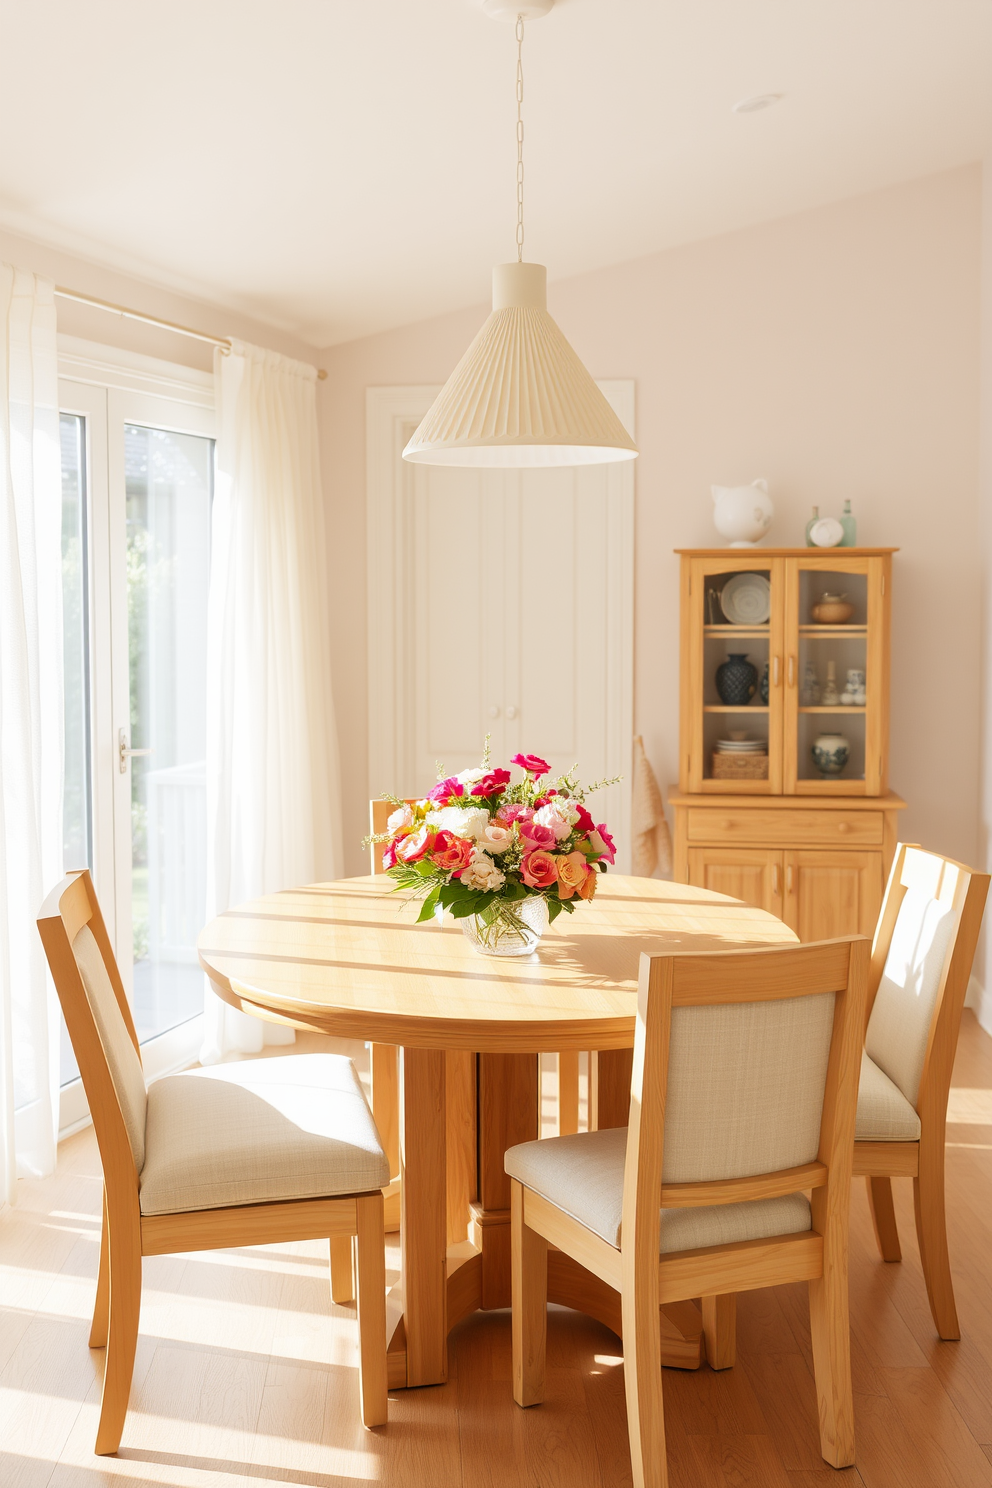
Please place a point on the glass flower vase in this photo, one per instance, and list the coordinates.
(508, 928)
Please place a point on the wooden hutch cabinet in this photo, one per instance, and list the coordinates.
(756, 815)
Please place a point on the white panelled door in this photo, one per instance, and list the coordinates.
(501, 602)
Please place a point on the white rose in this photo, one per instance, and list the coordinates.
(496, 838)
(469, 777)
(550, 816)
(403, 817)
(464, 821)
(482, 874)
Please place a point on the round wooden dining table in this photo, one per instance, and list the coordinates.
(347, 959)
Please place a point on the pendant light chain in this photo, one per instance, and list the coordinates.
(520, 139)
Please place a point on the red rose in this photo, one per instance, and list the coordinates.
(585, 822)
(492, 784)
(450, 853)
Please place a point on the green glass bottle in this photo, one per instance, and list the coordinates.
(814, 518)
(850, 526)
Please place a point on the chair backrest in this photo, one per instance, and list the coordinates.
(99, 1021)
(379, 813)
(921, 965)
(745, 1075)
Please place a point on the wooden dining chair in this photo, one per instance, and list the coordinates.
(255, 1153)
(743, 1096)
(920, 968)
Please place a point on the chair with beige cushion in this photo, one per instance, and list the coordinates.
(921, 965)
(743, 1096)
(256, 1153)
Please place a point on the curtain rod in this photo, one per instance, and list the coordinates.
(152, 320)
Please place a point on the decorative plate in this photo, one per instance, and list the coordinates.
(746, 599)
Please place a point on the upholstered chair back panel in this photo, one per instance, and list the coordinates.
(121, 1055)
(899, 1026)
(745, 1087)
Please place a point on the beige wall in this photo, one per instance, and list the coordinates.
(836, 353)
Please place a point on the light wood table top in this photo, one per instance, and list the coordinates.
(347, 958)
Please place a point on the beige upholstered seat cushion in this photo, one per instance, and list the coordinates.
(583, 1175)
(884, 1113)
(257, 1131)
(899, 1026)
(120, 1053)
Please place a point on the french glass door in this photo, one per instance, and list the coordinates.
(137, 489)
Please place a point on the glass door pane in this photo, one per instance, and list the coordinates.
(168, 486)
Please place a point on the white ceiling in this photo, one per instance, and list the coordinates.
(336, 167)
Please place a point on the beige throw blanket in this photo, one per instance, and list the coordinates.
(652, 844)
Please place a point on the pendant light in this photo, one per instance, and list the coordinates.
(520, 396)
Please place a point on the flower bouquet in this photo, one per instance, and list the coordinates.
(505, 859)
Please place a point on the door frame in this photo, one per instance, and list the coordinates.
(391, 416)
(105, 384)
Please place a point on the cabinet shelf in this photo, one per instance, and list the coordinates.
(743, 632)
(742, 708)
(837, 708)
(833, 631)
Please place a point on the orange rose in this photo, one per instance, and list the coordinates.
(588, 889)
(573, 871)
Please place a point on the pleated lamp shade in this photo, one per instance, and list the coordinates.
(520, 396)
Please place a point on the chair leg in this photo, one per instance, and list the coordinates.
(342, 1275)
(529, 1292)
(931, 1231)
(883, 1218)
(567, 1064)
(643, 1389)
(101, 1307)
(720, 1330)
(122, 1335)
(831, 1337)
(371, 1269)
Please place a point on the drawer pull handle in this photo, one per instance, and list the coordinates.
(843, 826)
(726, 826)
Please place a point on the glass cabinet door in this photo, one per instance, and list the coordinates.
(835, 674)
(732, 671)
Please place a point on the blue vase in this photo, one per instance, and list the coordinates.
(736, 680)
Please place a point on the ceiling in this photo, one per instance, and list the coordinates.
(336, 167)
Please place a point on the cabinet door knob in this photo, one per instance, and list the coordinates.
(726, 825)
(511, 711)
(843, 826)
(494, 711)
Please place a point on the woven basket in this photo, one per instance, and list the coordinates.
(740, 766)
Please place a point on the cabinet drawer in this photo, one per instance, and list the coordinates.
(785, 828)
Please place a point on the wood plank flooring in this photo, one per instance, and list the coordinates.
(247, 1373)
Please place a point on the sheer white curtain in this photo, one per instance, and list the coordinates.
(272, 766)
(30, 720)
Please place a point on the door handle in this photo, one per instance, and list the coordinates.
(788, 879)
(511, 711)
(775, 879)
(124, 751)
(775, 671)
(792, 671)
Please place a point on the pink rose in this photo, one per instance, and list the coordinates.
(492, 784)
(512, 811)
(603, 843)
(412, 847)
(389, 854)
(573, 871)
(450, 853)
(537, 835)
(538, 869)
(549, 816)
(497, 838)
(532, 763)
(446, 791)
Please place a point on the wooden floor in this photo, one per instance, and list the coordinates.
(246, 1373)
